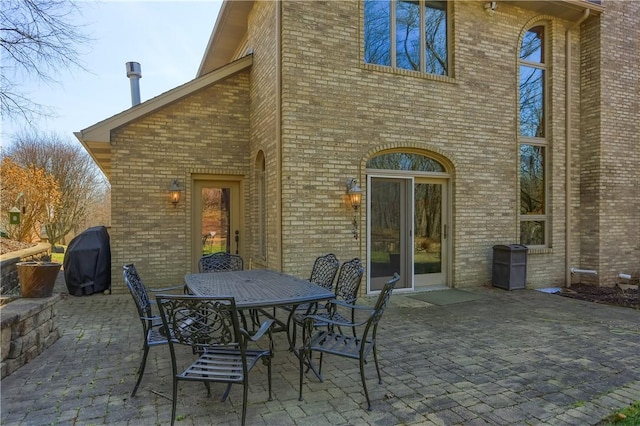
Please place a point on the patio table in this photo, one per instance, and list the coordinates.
(258, 289)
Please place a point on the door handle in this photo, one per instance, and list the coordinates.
(445, 231)
(237, 239)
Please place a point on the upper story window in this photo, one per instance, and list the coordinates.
(407, 34)
(534, 221)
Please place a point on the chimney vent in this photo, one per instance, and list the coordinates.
(135, 74)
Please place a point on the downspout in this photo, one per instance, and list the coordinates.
(568, 135)
(278, 125)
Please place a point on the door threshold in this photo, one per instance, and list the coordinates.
(431, 288)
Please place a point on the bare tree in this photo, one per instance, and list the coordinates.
(37, 40)
(81, 183)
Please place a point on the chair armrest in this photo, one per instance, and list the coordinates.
(316, 318)
(266, 326)
(349, 305)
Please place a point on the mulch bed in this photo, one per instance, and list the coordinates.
(628, 297)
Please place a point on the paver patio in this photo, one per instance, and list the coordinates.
(508, 358)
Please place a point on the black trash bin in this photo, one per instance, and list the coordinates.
(509, 266)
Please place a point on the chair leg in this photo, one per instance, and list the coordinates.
(143, 363)
(269, 378)
(301, 356)
(245, 393)
(375, 360)
(174, 400)
(225, 395)
(364, 384)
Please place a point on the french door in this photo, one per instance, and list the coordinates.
(407, 227)
(216, 221)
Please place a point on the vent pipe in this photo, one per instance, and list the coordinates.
(135, 74)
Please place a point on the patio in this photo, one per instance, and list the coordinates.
(521, 357)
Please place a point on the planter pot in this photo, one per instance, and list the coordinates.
(37, 278)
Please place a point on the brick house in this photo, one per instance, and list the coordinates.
(506, 122)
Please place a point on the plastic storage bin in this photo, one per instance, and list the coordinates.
(509, 266)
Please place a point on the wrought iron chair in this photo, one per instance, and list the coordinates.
(211, 327)
(323, 273)
(151, 323)
(324, 270)
(346, 290)
(336, 343)
(220, 262)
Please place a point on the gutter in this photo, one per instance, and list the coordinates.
(568, 135)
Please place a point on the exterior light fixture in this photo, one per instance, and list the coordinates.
(355, 198)
(174, 192)
(354, 192)
(491, 7)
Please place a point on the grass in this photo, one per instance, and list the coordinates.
(629, 416)
(58, 257)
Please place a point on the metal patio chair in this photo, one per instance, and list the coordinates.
(210, 326)
(323, 273)
(346, 290)
(151, 323)
(220, 262)
(331, 342)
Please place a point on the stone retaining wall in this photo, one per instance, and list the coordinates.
(8, 271)
(27, 328)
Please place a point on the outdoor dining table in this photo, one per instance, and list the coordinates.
(258, 289)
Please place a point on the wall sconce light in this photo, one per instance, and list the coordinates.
(355, 198)
(354, 192)
(491, 7)
(174, 192)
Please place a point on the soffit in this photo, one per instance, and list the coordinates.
(571, 10)
(97, 138)
(227, 36)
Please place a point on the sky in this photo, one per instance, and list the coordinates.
(168, 39)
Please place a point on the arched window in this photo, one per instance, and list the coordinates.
(405, 161)
(533, 138)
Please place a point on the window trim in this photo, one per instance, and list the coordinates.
(393, 68)
(536, 141)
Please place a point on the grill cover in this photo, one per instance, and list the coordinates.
(87, 262)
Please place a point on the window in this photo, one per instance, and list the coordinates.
(532, 139)
(407, 34)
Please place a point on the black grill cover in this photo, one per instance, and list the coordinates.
(87, 262)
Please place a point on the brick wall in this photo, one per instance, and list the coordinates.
(337, 112)
(615, 143)
(206, 133)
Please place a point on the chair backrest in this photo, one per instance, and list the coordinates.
(138, 291)
(349, 279)
(220, 262)
(324, 270)
(201, 322)
(383, 299)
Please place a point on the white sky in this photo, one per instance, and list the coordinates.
(168, 39)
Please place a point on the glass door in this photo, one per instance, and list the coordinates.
(430, 229)
(388, 232)
(216, 207)
(407, 231)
